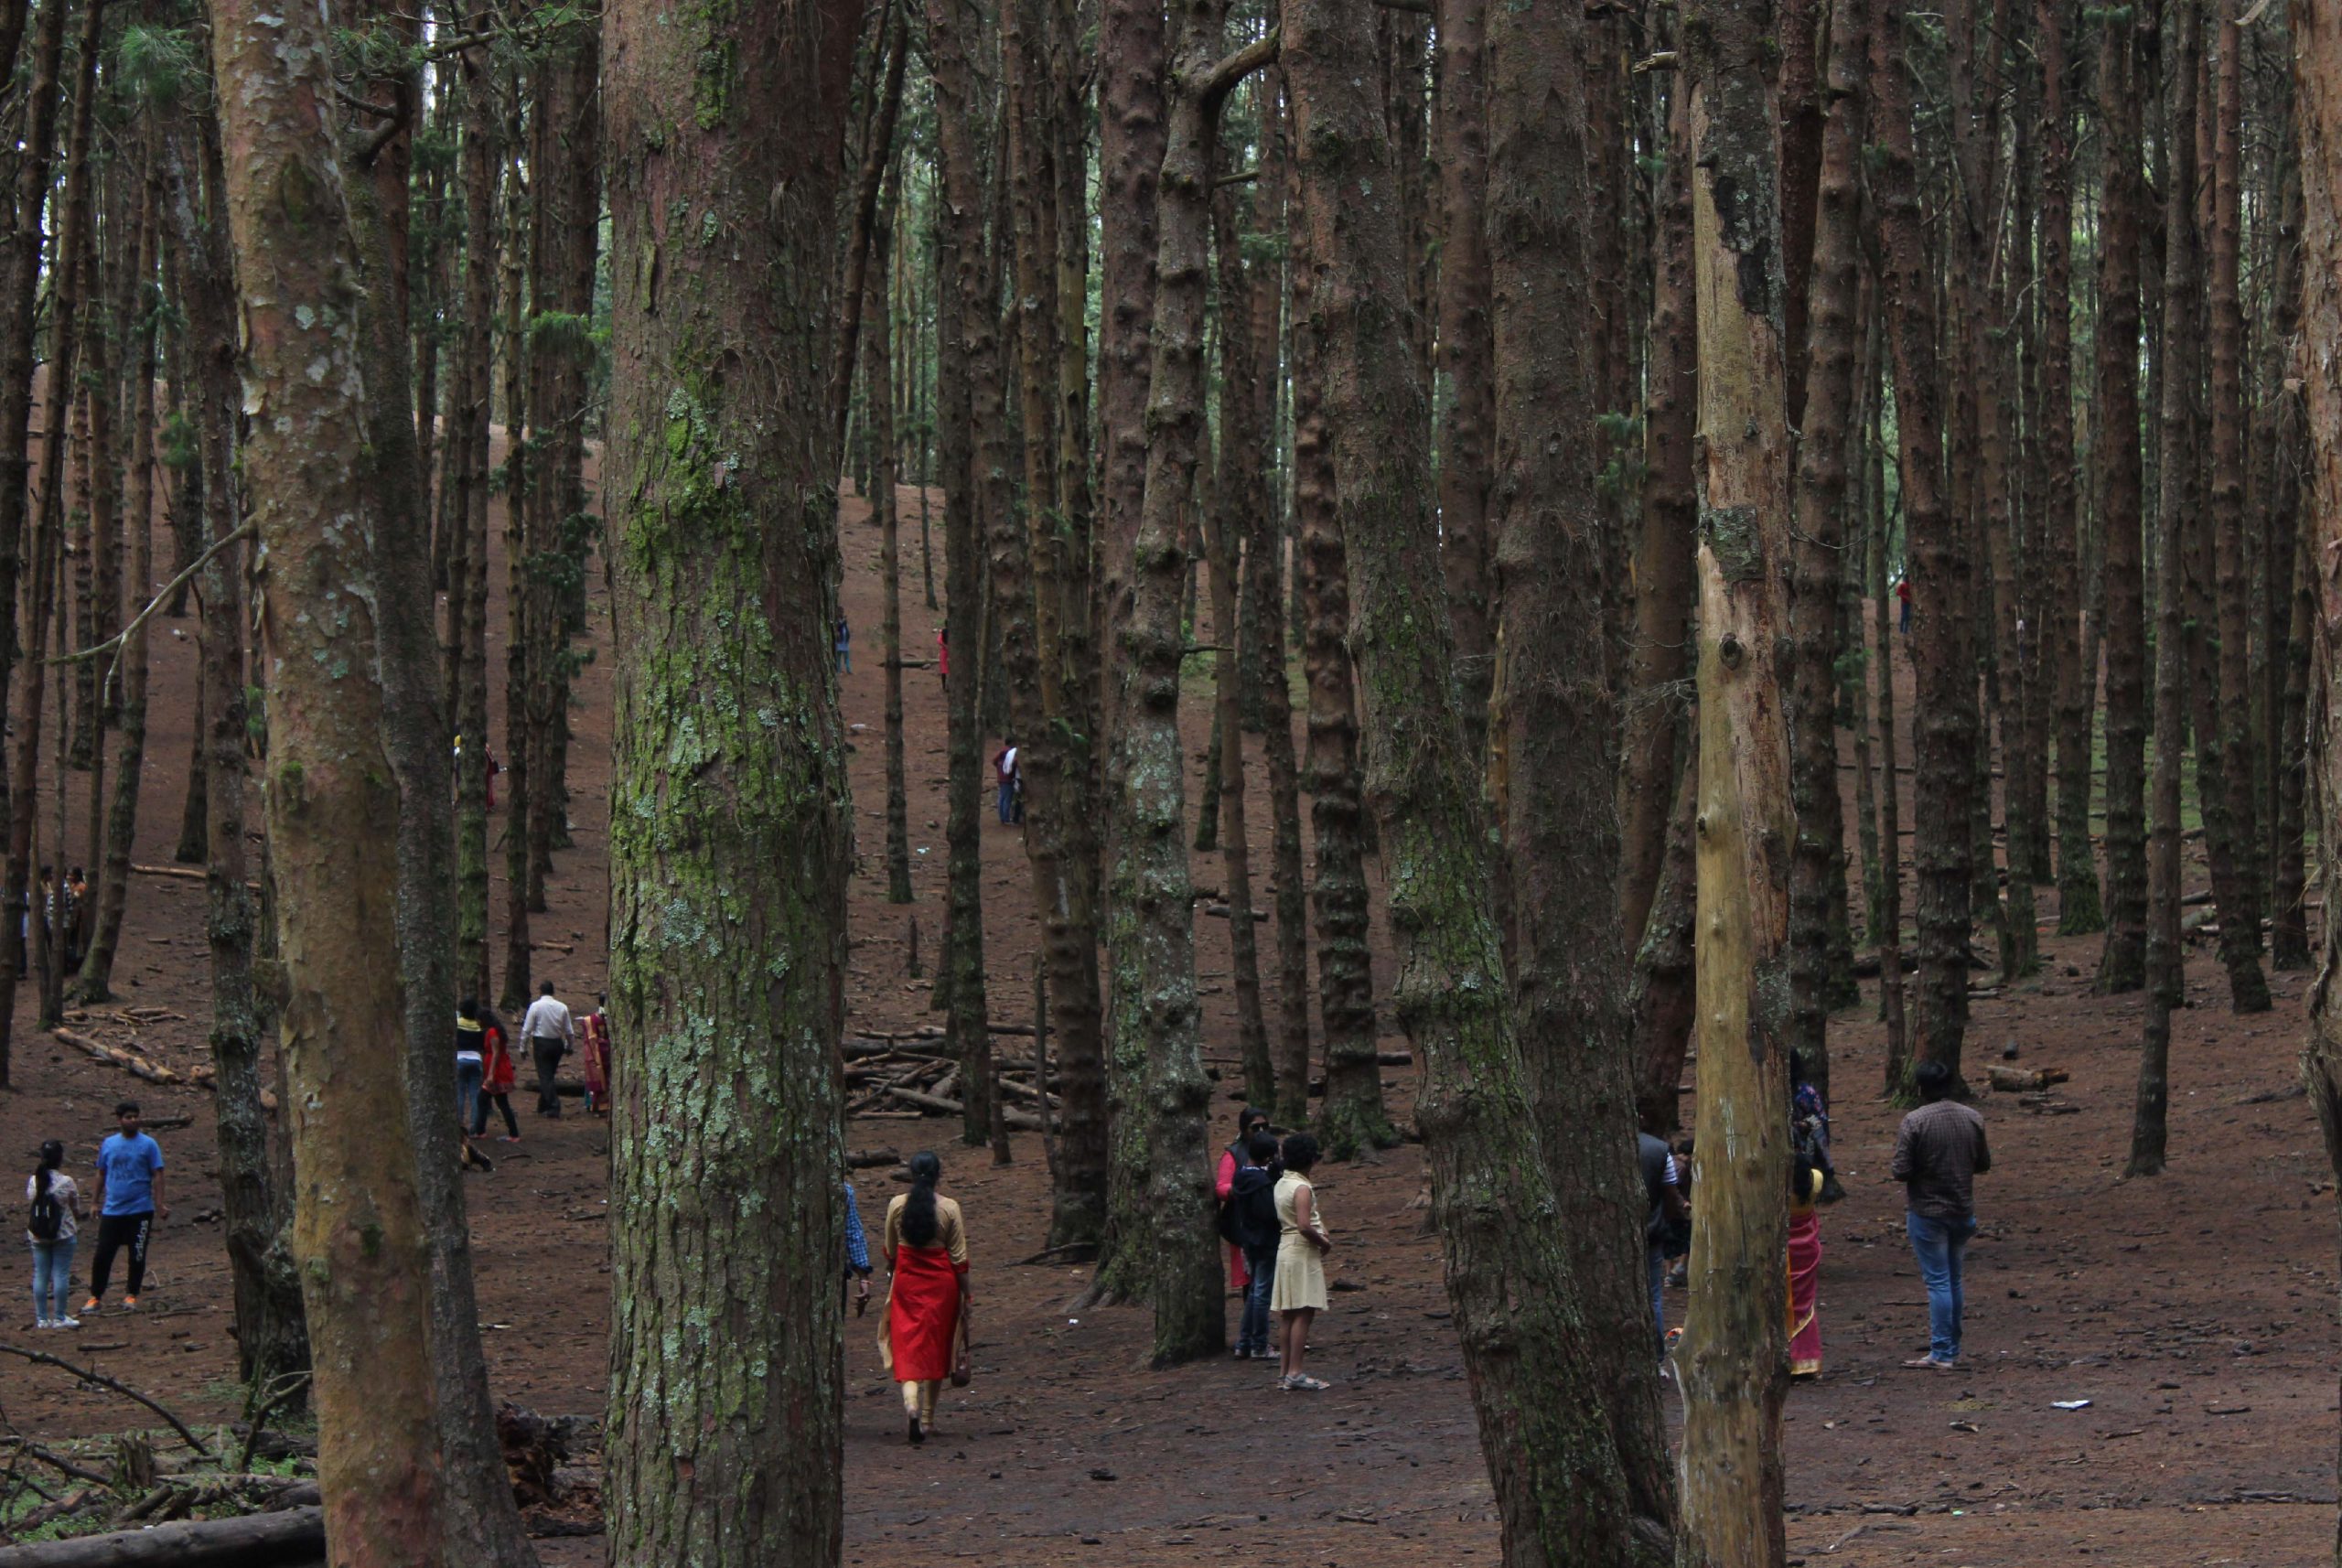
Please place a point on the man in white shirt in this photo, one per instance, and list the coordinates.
(550, 1032)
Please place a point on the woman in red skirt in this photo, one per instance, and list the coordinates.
(926, 1303)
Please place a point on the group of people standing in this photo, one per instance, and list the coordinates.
(128, 1201)
(485, 1074)
(1277, 1243)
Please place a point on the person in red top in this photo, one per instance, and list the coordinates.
(1224, 1182)
(1903, 597)
(495, 1084)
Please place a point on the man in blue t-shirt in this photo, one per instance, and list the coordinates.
(130, 1198)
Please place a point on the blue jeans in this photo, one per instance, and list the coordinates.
(468, 1080)
(1657, 1262)
(1007, 804)
(1940, 1246)
(1260, 1265)
(52, 1279)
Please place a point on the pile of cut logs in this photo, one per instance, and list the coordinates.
(916, 1074)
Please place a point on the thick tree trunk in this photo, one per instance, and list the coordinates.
(1946, 721)
(359, 1237)
(2241, 906)
(524, 606)
(1560, 1492)
(729, 858)
(2123, 961)
(1658, 656)
(20, 272)
(1557, 707)
(468, 498)
(2166, 976)
(1733, 1362)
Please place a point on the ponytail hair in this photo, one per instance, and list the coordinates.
(918, 1209)
(52, 1155)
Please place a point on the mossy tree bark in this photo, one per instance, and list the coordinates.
(1552, 535)
(359, 1237)
(1466, 355)
(1942, 618)
(730, 815)
(1563, 1496)
(2114, 451)
(1734, 1361)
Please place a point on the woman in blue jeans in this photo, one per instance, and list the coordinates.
(53, 1231)
(1253, 1194)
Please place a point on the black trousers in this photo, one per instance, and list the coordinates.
(503, 1102)
(117, 1231)
(548, 1052)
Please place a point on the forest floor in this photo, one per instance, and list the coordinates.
(2194, 1312)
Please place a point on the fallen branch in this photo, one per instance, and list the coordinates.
(255, 1540)
(43, 1359)
(130, 1061)
(1015, 1118)
(58, 1461)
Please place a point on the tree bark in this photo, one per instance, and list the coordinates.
(1946, 721)
(468, 407)
(730, 827)
(2240, 910)
(20, 270)
(1733, 1361)
(2121, 964)
(1558, 708)
(1659, 998)
(1467, 356)
(1560, 1492)
(878, 367)
(358, 1239)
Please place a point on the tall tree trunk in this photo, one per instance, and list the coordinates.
(877, 366)
(1946, 721)
(2240, 908)
(1150, 903)
(1733, 1362)
(1657, 657)
(729, 870)
(1353, 1116)
(881, 110)
(1562, 1494)
(524, 609)
(1889, 934)
(20, 270)
(1557, 707)
(467, 498)
(479, 1510)
(358, 1235)
(2114, 448)
(1233, 518)
(1659, 999)
(2317, 110)
(1814, 611)
(2296, 605)
(1467, 356)
(96, 982)
(2080, 912)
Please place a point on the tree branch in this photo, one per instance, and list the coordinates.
(43, 1359)
(119, 638)
(1222, 79)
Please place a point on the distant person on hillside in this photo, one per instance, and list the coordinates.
(130, 1199)
(842, 644)
(1299, 1293)
(550, 1032)
(926, 1336)
(594, 1056)
(1252, 1226)
(1903, 598)
(1664, 1211)
(497, 1081)
(1805, 1267)
(943, 656)
(1939, 1152)
(52, 1229)
(1224, 1182)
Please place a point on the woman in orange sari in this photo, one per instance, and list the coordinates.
(927, 1300)
(594, 1036)
(1805, 1269)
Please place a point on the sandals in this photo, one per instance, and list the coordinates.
(1302, 1384)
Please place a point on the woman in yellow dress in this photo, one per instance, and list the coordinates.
(1299, 1294)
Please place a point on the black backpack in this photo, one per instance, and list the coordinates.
(48, 1215)
(1249, 1218)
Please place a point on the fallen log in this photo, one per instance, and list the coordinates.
(866, 1159)
(1009, 1113)
(295, 1537)
(2026, 1080)
(130, 1061)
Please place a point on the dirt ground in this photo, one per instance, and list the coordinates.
(2195, 1311)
